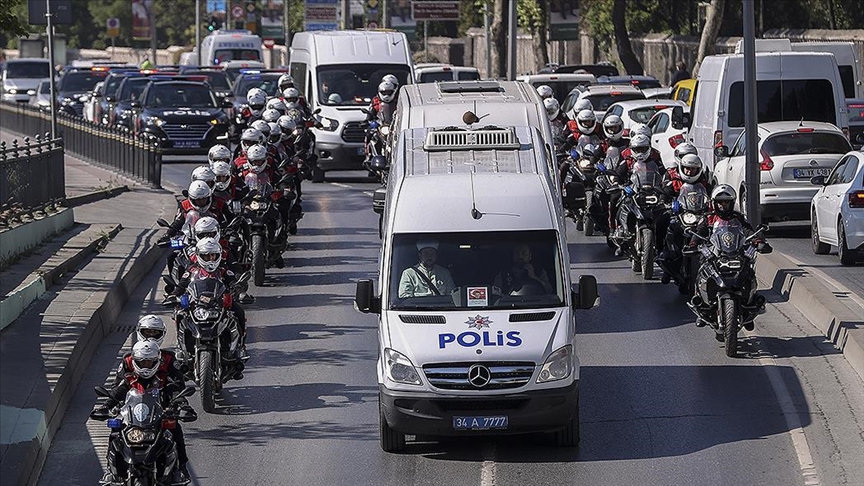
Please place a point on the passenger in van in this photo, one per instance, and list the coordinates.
(521, 272)
(426, 278)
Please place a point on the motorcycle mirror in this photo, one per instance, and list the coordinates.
(317, 110)
(168, 279)
(161, 222)
(762, 228)
(102, 391)
(243, 278)
(186, 392)
(364, 110)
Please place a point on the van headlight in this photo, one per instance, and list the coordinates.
(399, 368)
(329, 124)
(557, 366)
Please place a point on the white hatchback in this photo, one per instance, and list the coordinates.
(790, 154)
(668, 130)
(837, 210)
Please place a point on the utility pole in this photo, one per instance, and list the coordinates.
(49, 16)
(384, 22)
(286, 26)
(346, 14)
(198, 32)
(152, 13)
(751, 164)
(511, 41)
(487, 27)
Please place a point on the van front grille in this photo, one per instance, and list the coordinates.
(502, 375)
(353, 133)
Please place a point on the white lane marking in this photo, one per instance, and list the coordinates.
(339, 184)
(793, 422)
(838, 287)
(487, 470)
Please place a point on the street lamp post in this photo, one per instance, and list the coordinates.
(751, 173)
(49, 16)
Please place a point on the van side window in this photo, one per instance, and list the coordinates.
(810, 99)
(847, 77)
(298, 72)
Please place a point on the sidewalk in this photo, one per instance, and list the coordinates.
(44, 352)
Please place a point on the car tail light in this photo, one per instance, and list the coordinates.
(718, 138)
(856, 199)
(766, 163)
(676, 140)
(805, 130)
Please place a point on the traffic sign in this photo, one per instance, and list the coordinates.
(216, 6)
(250, 7)
(435, 10)
(113, 27)
(237, 12)
(268, 43)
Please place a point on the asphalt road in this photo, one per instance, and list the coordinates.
(660, 402)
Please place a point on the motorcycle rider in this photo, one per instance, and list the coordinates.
(217, 153)
(227, 187)
(276, 104)
(583, 104)
(294, 101)
(199, 200)
(284, 82)
(639, 150)
(251, 136)
(611, 148)
(256, 99)
(256, 161)
(723, 209)
(585, 130)
(208, 262)
(204, 173)
(558, 122)
(147, 366)
(271, 114)
(208, 227)
(545, 92)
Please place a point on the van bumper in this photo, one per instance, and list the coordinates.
(432, 414)
(340, 156)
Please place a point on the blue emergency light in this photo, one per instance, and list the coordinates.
(115, 424)
(184, 301)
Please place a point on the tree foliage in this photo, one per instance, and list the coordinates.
(10, 24)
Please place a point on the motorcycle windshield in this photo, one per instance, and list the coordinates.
(192, 217)
(644, 175)
(727, 236)
(693, 198)
(613, 157)
(259, 182)
(206, 290)
(141, 408)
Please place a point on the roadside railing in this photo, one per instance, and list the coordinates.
(116, 149)
(32, 176)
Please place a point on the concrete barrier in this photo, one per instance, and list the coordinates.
(21, 239)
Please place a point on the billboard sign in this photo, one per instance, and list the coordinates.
(423, 10)
(141, 19)
(321, 15)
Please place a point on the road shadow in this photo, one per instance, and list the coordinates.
(617, 316)
(267, 434)
(332, 261)
(795, 347)
(298, 332)
(593, 252)
(317, 278)
(336, 231)
(263, 359)
(272, 302)
(253, 400)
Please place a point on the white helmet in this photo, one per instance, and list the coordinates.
(613, 127)
(199, 195)
(641, 129)
(545, 92)
(256, 98)
(391, 78)
(276, 104)
(275, 132)
(386, 91)
(334, 99)
(256, 156)
(209, 253)
(204, 173)
(285, 81)
(587, 121)
(552, 108)
(683, 149)
(217, 153)
(581, 104)
(287, 124)
(250, 137)
(640, 147)
(206, 227)
(262, 127)
(151, 328)
(222, 170)
(690, 168)
(292, 97)
(271, 115)
(146, 358)
(723, 199)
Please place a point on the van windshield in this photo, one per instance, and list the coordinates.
(786, 100)
(356, 84)
(223, 55)
(497, 270)
(35, 69)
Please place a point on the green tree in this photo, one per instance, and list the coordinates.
(10, 24)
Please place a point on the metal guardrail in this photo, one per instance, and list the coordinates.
(116, 149)
(31, 176)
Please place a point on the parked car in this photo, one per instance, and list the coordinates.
(602, 97)
(669, 129)
(641, 82)
(791, 153)
(638, 111)
(837, 214)
(856, 122)
(76, 86)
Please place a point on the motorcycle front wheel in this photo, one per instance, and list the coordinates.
(647, 253)
(207, 381)
(729, 316)
(259, 259)
(139, 482)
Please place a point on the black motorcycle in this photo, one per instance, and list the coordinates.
(726, 297)
(141, 435)
(579, 183)
(689, 209)
(377, 150)
(209, 335)
(268, 236)
(641, 202)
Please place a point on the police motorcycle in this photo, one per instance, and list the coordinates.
(689, 209)
(267, 233)
(182, 250)
(641, 202)
(605, 183)
(142, 434)
(210, 337)
(726, 297)
(378, 147)
(579, 186)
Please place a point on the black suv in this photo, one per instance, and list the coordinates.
(183, 115)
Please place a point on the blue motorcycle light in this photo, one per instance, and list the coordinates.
(184, 301)
(574, 153)
(601, 167)
(373, 124)
(628, 190)
(176, 243)
(115, 424)
(675, 207)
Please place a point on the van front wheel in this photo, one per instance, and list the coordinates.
(391, 440)
(569, 436)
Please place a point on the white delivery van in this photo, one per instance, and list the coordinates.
(230, 45)
(791, 86)
(339, 72)
(491, 350)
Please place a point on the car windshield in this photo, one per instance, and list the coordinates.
(806, 143)
(268, 82)
(35, 69)
(431, 77)
(644, 114)
(601, 102)
(561, 88)
(468, 75)
(223, 55)
(356, 84)
(218, 79)
(180, 95)
(489, 270)
(132, 89)
(81, 80)
(112, 84)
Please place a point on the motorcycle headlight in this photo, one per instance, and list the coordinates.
(137, 436)
(557, 366)
(329, 124)
(255, 205)
(67, 101)
(690, 219)
(385, 130)
(585, 164)
(399, 368)
(204, 314)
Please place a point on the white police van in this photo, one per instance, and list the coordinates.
(492, 349)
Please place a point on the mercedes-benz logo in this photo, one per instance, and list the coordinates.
(479, 375)
(813, 162)
(184, 127)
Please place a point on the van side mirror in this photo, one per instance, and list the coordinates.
(721, 152)
(686, 120)
(584, 293)
(364, 300)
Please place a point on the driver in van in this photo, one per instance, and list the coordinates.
(426, 278)
(521, 272)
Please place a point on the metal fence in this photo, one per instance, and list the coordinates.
(116, 149)
(31, 174)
